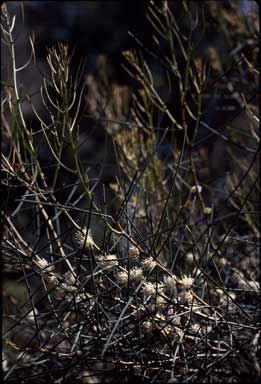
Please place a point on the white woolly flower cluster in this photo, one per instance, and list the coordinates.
(70, 278)
(148, 326)
(186, 282)
(148, 289)
(186, 297)
(170, 283)
(136, 274)
(43, 265)
(107, 261)
(194, 188)
(84, 239)
(133, 252)
(152, 289)
(122, 277)
(149, 264)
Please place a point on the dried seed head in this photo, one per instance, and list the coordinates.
(136, 274)
(159, 318)
(51, 279)
(152, 289)
(196, 328)
(169, 330)
(149, 289)
(69, 278)
(186, 282)
(148, 326)
(107, 261)
(171, 284)
(186, 297)
(122, 277)
(195, 188)
(44, 265)
(157, 304)
(67, 287)
(161, 302)
(149, 264)
(84, 239)
(133, 252)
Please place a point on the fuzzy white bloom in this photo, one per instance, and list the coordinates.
(157, 304)
(81, 298)
(161, 302)
(133, 252)
(189, 257)
(148, 326)
(222, 262)
(69, 282)
(69, 278)
(84, 239)
(149, 289)
(149, 264)
(136, 274)
(67, 287)
(176, 320)
(159, 318)
(207, 210)
(169, 330)
(107, 261)
(122, 277)
(170, 283)
(186, 297)
(44, 265)
(186, 282)
(194, 189)
(51, 279)
(196, 328)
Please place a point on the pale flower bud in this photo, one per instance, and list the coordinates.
(195, 188)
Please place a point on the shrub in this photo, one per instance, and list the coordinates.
(154, 276)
